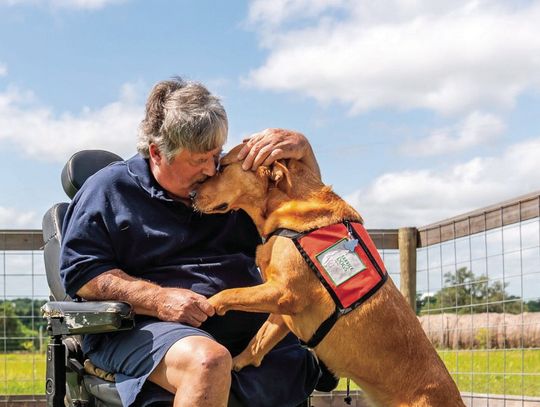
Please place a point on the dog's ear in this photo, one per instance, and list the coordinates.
(232, 156)
(280, 175)
(263, 172)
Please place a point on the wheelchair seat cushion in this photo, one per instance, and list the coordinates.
(103, 390)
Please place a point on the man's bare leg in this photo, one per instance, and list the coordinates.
(197, 370)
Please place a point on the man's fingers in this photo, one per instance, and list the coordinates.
(198, 314)
(193, 322)
(206, 308)
(194, 316)
(265, 147)
(249, 160)
(243, 152)
(248, 144)
(264, 152)
(273, 156)
(258, 152)
(253, 140)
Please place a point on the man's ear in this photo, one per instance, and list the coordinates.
(280, 175)
(155, 154)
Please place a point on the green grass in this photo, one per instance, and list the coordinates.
(478, 371)
(481, 371)
(495, 371)
(22, 373)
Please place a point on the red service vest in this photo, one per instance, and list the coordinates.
(345, 260)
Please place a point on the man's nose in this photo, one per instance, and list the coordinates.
(210, 169)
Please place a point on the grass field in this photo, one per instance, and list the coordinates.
(479, 371)
(493, 372)
(22, 373)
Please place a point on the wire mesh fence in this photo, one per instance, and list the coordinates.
(23, 290)
(477, 297)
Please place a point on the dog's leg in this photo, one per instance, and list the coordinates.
(271, 332)
(268, 297)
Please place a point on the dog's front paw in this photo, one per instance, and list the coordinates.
(245, 359)
(219, 307)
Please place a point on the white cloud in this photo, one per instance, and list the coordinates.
(40, 133)
(71, 4)
(273, 13)
(418, 198)
(3, 69)
(447, 56)
(11, 218)
(476, 129)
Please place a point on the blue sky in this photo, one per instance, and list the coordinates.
(417, 110)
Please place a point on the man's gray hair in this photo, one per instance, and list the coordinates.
(182, 115)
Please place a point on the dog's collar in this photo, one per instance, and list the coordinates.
(294, 234)
(284, 232)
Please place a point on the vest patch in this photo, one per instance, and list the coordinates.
(340, 263)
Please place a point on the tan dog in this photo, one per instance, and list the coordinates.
(380, 345)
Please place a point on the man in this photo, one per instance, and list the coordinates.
(130, 234)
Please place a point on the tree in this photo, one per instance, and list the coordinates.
(15, 331)
(29, 312)
(464, 290)
(533, 306)
(18, 324)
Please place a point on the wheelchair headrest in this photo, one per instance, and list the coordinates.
(82, 165)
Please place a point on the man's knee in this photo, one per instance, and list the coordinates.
(200, 356)
(212, 359)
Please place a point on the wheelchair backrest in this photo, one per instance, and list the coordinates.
(77, 170)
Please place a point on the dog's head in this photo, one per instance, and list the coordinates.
(233, 188)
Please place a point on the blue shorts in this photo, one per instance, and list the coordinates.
(286, 377)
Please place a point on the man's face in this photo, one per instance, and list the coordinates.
(184, 172)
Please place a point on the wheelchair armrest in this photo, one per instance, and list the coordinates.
(87, 317)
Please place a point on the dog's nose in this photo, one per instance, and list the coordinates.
(192, 195)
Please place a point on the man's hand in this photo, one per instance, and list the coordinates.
(181, 305)
(273, 144)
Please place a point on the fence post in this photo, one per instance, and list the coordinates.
(407, 241)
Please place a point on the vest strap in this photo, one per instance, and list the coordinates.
(322, 330)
